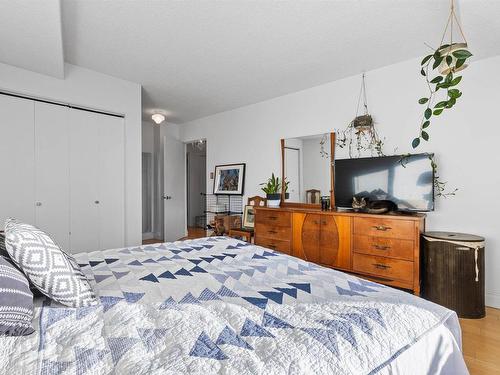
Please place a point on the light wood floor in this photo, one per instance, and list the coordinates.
(480, 337)
(481, 343)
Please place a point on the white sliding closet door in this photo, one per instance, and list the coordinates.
(17, 191)
(97, 181)
(52, 171)
(111, 181)
(84, 175)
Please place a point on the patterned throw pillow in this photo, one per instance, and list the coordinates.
(51, 270)
(3, 250)
(16, 301)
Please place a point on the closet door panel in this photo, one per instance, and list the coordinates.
(111, 181)
(84, 175)
(17, 192)
(52, 171)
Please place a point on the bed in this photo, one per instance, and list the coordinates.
(220, 305)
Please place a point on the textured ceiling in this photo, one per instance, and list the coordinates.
(197, 58)
(30, 36)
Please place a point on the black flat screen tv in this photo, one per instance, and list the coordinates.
(405, 180)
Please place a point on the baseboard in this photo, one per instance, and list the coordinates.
(493, 300)
(148, 236)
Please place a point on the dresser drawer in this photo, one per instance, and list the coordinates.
(393, 269)
(273, 218)
(273, 244)
(273, 231)
(384, 227)
(383, 246)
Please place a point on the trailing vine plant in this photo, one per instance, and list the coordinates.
(448, 59)
(439, 185)
(360, 135)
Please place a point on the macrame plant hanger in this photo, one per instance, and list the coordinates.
(362, 130)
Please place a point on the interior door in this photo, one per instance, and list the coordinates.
(174, 194)
(84, 174)
(52, 171)
(292, 173)
(17, 193)
(111, 181)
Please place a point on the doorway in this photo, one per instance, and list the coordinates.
(196, 187)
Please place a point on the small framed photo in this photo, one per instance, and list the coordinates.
(229, 179)
(248, 217)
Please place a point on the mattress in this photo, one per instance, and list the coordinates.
(222, 306)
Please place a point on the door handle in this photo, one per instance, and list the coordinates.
(167, 197)
(96, 202)
(38, 204)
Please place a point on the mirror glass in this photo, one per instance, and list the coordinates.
(307, 168)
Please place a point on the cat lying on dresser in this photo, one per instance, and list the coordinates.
(373, 206)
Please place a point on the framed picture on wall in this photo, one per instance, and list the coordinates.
(229, 179)
(248, 217)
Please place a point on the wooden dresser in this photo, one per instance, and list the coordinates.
(383, 248)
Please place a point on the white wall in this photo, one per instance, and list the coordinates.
(94, 90)
(465, 140)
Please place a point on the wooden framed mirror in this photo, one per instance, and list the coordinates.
(307, 164)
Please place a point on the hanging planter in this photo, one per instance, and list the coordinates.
(448, 59)
(361, 135)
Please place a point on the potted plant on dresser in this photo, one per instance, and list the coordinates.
(272, 188)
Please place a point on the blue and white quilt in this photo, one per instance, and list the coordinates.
(220, 305)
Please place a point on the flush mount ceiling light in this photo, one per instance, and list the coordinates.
(158, 118)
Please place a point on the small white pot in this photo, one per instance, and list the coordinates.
(274, 203)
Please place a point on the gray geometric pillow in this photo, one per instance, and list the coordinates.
(16, 301)
(50, 269)
(3, 250)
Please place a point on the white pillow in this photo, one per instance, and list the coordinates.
(50, 269)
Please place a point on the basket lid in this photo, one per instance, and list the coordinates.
(454, 236)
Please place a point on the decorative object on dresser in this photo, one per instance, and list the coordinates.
(229, 179)
(313, 196)
(273, 188)
(453, 272)
(383, 248)
(247, 229)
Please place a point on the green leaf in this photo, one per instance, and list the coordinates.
(455, 81)
(437, 79)
(415, 142)
(437, 62)
(426, 58)
(437, 112)
(462, 54)
(454, 93)
(449, 77)
(423, 100)
(443, 85)
(428, 113)
(449, 60)
(422, 71)
(451, 102)
(426, 124)
(459, 63)
(441, 104)
(425, 136)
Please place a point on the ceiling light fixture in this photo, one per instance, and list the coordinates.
(158, 118)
